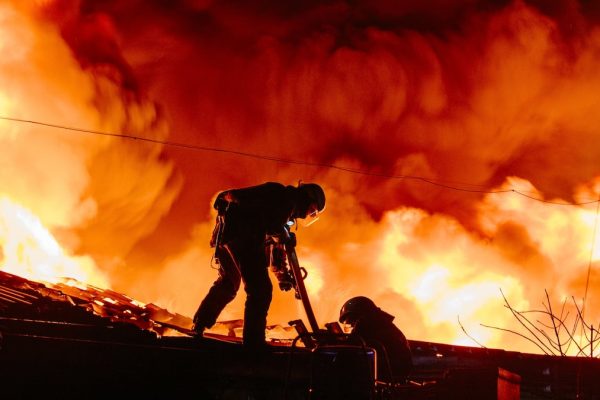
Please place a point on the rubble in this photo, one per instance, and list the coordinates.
(70, 340)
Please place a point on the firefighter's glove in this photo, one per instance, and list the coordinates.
(285, 279)
(286, 282)
(286, 285)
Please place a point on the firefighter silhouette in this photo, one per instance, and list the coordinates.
(246, 217)
(375, 328)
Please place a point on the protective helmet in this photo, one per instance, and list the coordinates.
(356, 308)
(314, 193)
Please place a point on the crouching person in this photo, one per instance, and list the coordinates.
(375, 328)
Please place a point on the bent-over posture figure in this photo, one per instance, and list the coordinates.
(246, 217)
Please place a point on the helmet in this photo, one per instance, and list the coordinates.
(314, 193)
(356, 308)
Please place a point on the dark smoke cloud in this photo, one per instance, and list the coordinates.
(432, 89)
(464, 93)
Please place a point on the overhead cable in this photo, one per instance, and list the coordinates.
(434, 182)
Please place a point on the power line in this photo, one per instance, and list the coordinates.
(434, 182)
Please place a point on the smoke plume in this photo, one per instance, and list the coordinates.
(465, 124)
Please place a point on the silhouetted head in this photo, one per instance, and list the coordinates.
(355, 309)
(311, 201)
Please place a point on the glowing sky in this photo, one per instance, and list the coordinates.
(474, 97)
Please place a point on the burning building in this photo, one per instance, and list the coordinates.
(456, 142)
(71, 340)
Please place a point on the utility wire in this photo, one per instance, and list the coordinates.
(438, 183)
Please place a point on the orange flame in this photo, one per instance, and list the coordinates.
(506, 101)
(30, 250)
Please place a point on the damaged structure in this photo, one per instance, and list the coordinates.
(69, 340)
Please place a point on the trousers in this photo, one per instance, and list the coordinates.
(245, 261)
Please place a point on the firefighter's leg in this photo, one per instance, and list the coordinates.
(221, 293)
(259, 291)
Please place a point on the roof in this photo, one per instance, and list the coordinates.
(70, 338)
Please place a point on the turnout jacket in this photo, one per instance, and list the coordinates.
(253, 212)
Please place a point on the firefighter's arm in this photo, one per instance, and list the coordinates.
(280, 268)
(285, 280)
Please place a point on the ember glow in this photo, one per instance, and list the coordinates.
(489, 109)
(30, 250)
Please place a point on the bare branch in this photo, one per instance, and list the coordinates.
(549, 337)
(543, 324)
(571, 337)
(518, 334)
(469, 336)
(524, 322)
(553, 323)
(592, 342)
(555, 346)
(563, 317)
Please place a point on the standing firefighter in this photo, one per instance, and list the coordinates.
(246, 217)
(374, 327)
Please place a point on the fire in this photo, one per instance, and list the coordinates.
(29, 250)
(589, 219)
(448, 275)
(505, 102)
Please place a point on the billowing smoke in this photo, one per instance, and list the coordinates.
(100, 195)
(436, 103)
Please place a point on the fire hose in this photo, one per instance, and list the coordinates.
(296, 275)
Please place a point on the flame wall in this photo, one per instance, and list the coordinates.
(475, 96)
